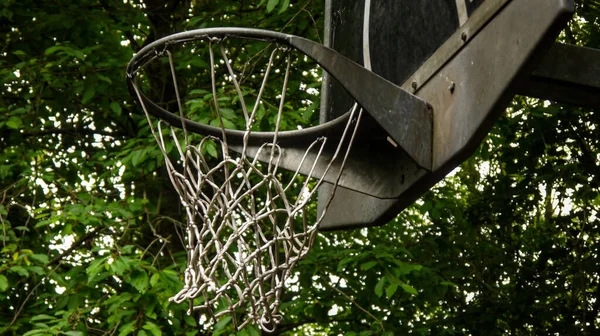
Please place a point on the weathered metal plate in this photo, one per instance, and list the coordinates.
(468, 81)
(567, 73)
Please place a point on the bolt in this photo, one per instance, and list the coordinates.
(430, 110)
(452, 87)
(463, 36)
(414, 85)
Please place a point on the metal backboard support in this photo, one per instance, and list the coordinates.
(467, 59)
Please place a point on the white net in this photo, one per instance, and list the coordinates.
(247, 219)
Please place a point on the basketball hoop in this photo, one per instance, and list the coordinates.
(246, 190)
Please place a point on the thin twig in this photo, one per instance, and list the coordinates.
(88, 236)
(159, 252)
(3, 230)
(303, 9)
(113, 330)
(27, 299)
(355, 303)
(74, 132)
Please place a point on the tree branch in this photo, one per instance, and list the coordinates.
(88, 236)
(290, 326)
(355, 303)
(73, 131)
(27, 299)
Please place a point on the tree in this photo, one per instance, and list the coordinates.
(506, 245)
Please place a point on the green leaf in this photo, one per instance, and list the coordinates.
(390, 290)
(74, 301)
(36, 269)
(195, 21)
(104, 78)
(3, 283)
(198, 92)
(153, 328)
(154, 279)
(118, 266)
(14, 122)
(43, 223)
(228, 113)
(53, 49)
(409, 289)
(118, 301)
(171, 277)
(190, 321)
(139, 280)
(368, 265)
(138, 156)
(150, 310)
(271, 5)
(95, 268)
(448, 283)
(253, 331)
(116, 108)
(19, 270)
(41, 258)
(307, 115)
(342, 264)
(284, 6)
(403, 268)
(89, 93)
(222, 323)
(74, 333)
(228, 124)
(79, 54)
(126, 329)
(211, 148)
(379, 287)
(9, 248)
(142, 333)
(42, 317)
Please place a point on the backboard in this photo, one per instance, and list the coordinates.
(435, 76)
(466, 58)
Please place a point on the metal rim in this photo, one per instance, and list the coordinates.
(156, 48)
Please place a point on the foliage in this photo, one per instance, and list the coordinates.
(91, 228)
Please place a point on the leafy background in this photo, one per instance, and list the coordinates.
(508, 244)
